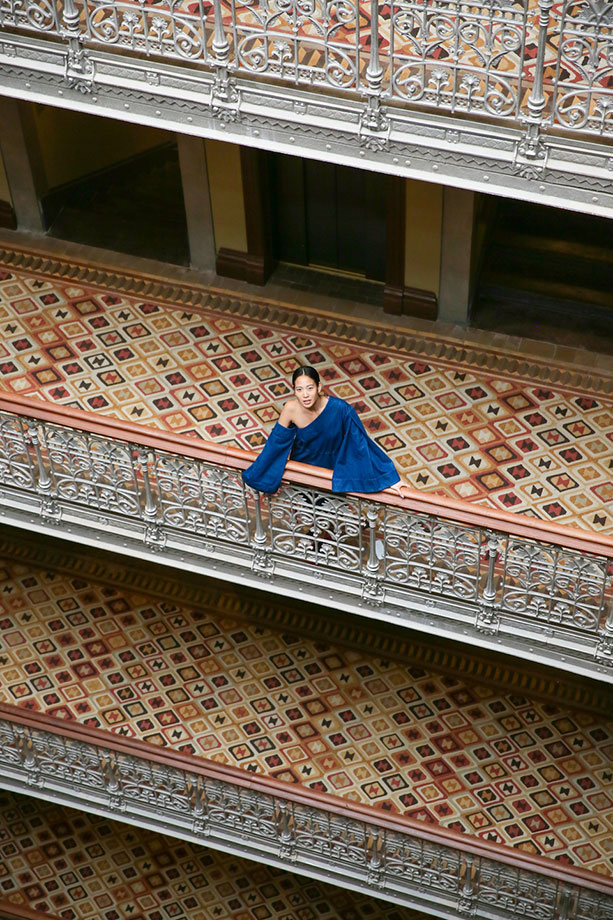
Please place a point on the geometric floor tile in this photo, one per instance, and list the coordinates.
(79, 866)
(441, 749)
(499, 440)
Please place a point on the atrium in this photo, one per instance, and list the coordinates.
(217, 703)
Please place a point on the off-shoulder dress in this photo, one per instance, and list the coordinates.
(336, 440)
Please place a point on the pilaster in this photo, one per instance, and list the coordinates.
(456, 255)
(20, 152)
(196, 195)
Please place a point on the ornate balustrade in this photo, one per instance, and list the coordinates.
(540, 61)
(491, 578)
(397, 858)
(507, 96)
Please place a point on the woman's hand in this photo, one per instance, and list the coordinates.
(401, 488)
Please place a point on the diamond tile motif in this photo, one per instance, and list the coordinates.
(502, 441)
(413, 742)
(78, 866)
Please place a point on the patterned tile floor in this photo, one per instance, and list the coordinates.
(80, 866)
(499, 440)
(499, 766)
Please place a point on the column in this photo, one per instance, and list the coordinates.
(22, 163)
(196, 195)
(456, 256)
(414, 249)
(7, 217)
(241, 210)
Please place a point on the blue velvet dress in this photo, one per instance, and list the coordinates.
(335, 440)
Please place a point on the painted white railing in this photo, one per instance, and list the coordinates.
(533, 62)
(446, 873)
(492, 578)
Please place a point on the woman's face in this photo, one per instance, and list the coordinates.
(306, 391)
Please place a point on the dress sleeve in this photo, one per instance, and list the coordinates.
(361, 465)
(266, 472)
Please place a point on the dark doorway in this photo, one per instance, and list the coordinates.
(135, 207)
(547, 274)
(328, 216)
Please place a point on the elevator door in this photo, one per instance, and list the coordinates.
(328, 216)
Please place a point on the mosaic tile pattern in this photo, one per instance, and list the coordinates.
(502, 441)
(78, 866)
(441, 750)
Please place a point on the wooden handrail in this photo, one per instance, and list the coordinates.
(10, 911)
(305, 796)
(419, 502)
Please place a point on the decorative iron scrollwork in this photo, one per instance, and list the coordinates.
(410, 868)
(383, 554)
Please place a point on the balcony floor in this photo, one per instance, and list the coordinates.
(333, 716)
(62, 862)
(500, 437)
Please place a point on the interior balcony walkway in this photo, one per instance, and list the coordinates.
(515, 759)
(61, 863)
(473, 422)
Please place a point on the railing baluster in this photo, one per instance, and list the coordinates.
(373, 562)
(261, 557)
(44, 480)
(489, 592)
(374, 126)
(531, 146)
(224, 95)
(467, 894)
(79, 68)
(374, 71)
(151, 509)
(154, 535)
(70, 18)
(260, 533)
(220, 44)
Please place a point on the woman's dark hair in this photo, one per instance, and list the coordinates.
(305, 372)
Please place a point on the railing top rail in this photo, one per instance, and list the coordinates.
(9, 911)
(303, 795)
(419, 502)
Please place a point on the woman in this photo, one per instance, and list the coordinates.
(322, 431)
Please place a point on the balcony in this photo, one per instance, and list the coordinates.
(375, 772)
(490, 578)
(153, 876)
(429, 565)
(510, 97)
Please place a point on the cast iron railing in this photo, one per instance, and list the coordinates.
(494, 578)
(533, 62)
(395, 857)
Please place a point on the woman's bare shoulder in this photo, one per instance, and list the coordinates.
(288, 412)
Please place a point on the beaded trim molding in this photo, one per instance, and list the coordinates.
(198, 297)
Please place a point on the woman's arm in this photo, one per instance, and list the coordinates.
(360, 465)
(266, 472)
